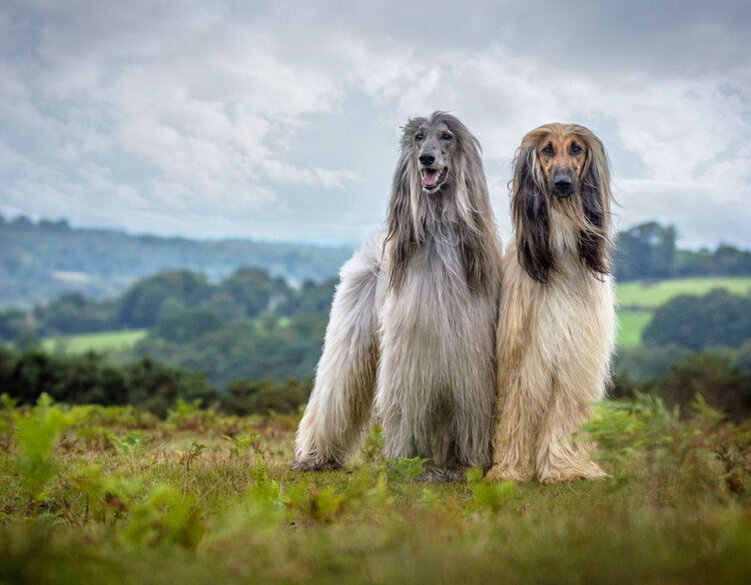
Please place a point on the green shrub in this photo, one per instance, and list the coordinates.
(713, 320)
(265, 396)
(722, 379)
(721, 384)
(405, 469)
(165, 516)
(37, 432)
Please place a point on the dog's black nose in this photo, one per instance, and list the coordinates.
(562, 182)
(427, 158)
(562, 179)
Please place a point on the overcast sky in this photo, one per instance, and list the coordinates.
(280, 119)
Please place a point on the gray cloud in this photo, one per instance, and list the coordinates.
(280, 119)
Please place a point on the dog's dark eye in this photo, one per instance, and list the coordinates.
(419, 137)
(548, 150)
(576, 149)
(446, 136)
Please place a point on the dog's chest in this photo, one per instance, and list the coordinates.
(434, 300)
(573, 312)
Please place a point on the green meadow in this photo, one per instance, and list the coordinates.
(104, 341)
(648, 295)
(93, 495)
(630, 327)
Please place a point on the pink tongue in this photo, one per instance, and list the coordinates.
(430, 178)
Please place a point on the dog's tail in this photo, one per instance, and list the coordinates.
(342, 397)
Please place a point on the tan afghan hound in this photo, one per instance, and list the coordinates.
(412, 326)
(557, 321)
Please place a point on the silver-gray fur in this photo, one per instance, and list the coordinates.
(412, 326)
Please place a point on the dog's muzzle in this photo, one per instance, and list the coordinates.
(563, 182)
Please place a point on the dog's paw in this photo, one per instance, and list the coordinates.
(585, 470)
(508, 473)
(314, 465)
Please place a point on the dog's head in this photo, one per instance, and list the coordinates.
(431, 143)
(439, 189)
(440, 168)
(561, 170)
(562, 156)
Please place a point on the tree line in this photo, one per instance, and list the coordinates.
(250, 344)
(182, 304)
(722, 378)
(649, 251)
(93, 379)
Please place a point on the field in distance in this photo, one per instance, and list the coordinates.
(650, 295)
(100, 341)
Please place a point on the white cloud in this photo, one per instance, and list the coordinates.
(225, 114)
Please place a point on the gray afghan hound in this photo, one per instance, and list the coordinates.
(412, 326)
(557, 321)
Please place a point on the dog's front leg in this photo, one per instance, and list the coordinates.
(396, 406)
(562, 456)
(514, 443)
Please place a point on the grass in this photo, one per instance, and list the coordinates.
(630, 327)
(113, 495)
(643, 295)
(99, 341)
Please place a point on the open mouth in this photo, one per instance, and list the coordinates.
(432, 178)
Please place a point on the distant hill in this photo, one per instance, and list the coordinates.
(40, 261)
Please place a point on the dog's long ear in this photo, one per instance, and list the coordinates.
(595, 247)
(404, 231)
(530, 210)
(472, 202)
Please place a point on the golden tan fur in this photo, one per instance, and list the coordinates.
(557, 319)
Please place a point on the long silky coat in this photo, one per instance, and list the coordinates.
(412, 325)
(557, 322)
